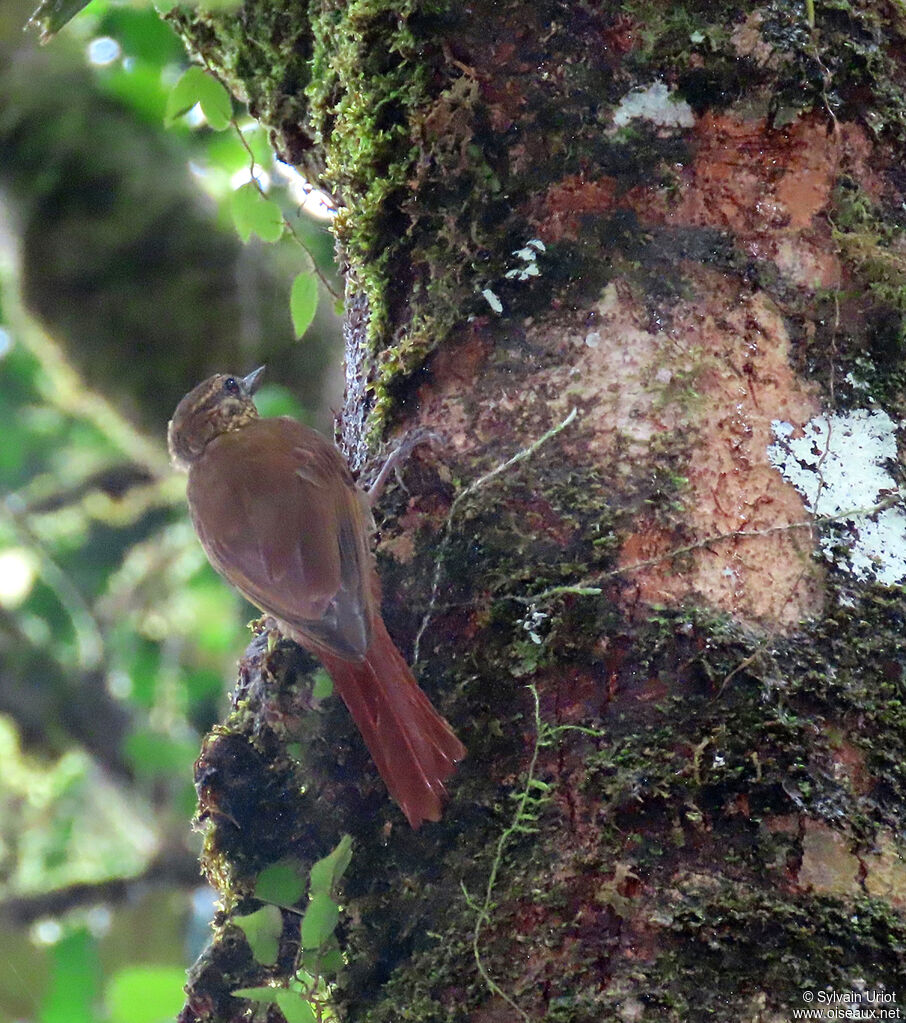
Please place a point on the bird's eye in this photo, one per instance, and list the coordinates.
(231, 385)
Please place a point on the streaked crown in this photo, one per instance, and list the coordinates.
(220, 404)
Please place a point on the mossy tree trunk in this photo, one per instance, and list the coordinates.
(681, 690)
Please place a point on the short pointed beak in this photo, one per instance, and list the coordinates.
(251, 382)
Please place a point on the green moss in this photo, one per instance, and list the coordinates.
(677, 736)
(731, 944)
(831, 68)
(691, 44)
(666, 777)
(685, 735)
(861, 335)
(441, 180)
(870, 240)
(668, 747)
(369, 72)
(263, 52)
(741, 734)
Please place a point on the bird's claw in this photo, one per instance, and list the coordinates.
(397, 457)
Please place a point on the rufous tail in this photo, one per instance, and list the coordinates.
(413, 747)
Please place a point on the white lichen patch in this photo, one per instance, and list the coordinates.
(654, 103)
(492, 299)
(528, 255)
(840, 465)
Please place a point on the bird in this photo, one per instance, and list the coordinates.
(281, 518)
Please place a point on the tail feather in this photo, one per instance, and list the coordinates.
(413, 747)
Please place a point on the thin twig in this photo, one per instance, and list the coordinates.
(253, 163)
(520, 456)
(88, 633)
(587, 586)
(286, 222)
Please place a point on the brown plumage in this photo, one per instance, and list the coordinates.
(280, 517)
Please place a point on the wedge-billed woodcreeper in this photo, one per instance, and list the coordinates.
(280, 517)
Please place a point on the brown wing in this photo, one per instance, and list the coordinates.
(279, 516)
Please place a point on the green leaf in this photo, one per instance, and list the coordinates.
(293, 1006)
(254, 214)
(327, 871)
(142, 33)
(296, 1009)
(281, 883)
(227, 153)
(262, 931)
(325, 961)
(319, 921)
(303, 302)
(256, 994)
(196, 86)
(216, 103)
(331, 962)
(145, 994)
(52, 15)
(256, 138)
(276, 400)
(184, 94)
(138, 88)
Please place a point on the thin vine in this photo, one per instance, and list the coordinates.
(316, 270)
(587, 587)
(522, 823)
(520, 456)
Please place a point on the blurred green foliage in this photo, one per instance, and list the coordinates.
(117, 641)
(128, 252)
(146, 994)
(73, 991)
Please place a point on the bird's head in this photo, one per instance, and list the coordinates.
(217, 405)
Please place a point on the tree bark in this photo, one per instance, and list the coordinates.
(678, 673)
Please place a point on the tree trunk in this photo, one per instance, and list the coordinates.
(642, 268)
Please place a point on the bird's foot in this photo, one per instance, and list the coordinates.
(397, 458)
